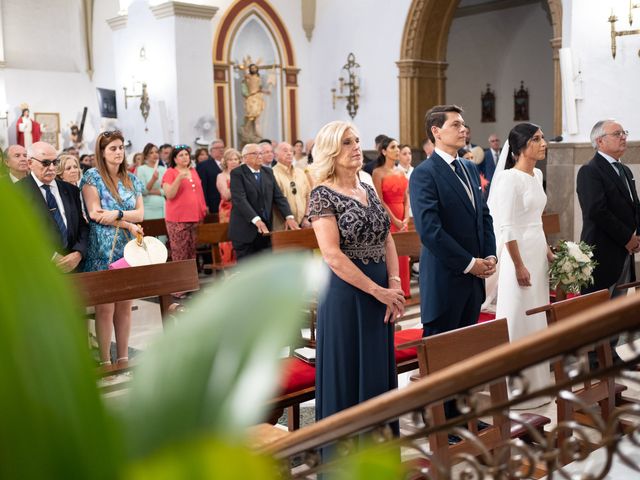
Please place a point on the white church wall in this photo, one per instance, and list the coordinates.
(194, 75)
(372, 30)
(502, 48)
(157, 37)
(609, 87)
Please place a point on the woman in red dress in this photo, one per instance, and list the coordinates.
(393, 189)
(230, 160)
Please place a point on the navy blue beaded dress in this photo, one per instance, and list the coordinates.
(355, 352)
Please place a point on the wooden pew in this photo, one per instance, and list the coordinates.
(157, 226)
(435, 354)
(602, 392)
(214, 234)
(161, 280)
(303, 239)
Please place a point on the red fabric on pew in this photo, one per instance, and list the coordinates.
(404, 336)
(297, 375)
(486, 316)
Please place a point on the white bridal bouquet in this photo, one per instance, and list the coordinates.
(572, 267)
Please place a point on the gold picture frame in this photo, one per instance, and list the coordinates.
(50, 127)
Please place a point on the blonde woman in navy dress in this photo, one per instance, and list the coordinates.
(355, 357)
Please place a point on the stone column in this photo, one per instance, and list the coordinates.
(556, 44)
(422, 85)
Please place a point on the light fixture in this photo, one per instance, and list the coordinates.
(349, 89)
(143, 95)
(615, 34)
(6, 117)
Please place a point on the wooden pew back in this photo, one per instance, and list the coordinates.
(133, 283)
(303, 239)
(436, 353)
(214, 234)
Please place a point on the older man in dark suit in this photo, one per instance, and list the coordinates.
(610, 208)
(59, 203)
(208, 172)
(254, 193)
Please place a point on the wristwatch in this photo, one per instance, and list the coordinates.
(120, 214)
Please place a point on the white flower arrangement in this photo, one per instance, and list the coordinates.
(572, 267)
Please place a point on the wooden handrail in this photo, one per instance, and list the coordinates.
(579, 330)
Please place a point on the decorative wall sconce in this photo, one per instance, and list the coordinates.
(349, 89)
(6, 117)
(615, 34)
(143, 95)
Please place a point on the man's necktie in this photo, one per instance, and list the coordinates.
(458, 169)
(257, 175)
(52, 204)
(620, 170)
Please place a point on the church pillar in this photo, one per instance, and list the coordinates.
(556, 44)
(192, 30)
(422, 85)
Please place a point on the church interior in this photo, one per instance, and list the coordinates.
(218, 376)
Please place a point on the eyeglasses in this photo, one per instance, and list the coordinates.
(618, 134)
(293, 187)
(259, 154)
(112, 133)
(47, 163)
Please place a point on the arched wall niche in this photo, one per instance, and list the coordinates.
(423, 64)
(235, 18)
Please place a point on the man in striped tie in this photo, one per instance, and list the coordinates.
(59, 202)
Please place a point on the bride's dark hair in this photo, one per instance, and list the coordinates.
(519, 136)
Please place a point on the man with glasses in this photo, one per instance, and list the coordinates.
(59, 202)
(208, 171)
(254, 194)
(294, 185)
(610, 208)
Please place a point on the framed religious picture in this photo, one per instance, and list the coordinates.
(50, 127)
(521, 103)
(107, 102)
(488, 100)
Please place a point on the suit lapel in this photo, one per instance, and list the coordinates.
(609, 171)
(454, 182)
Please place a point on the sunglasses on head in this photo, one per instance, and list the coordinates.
(47, 163)
(182, 147)
(112, 133)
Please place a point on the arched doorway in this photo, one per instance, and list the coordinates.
(423, 63)
(261, 18)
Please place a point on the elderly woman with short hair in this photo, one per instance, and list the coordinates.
(355, 350)
(69, 169)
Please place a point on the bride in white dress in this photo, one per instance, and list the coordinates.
(516, 202)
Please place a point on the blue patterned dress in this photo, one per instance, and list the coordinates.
(101, 236)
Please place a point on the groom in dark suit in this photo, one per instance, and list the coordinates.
(610, 208)
(254, 193)
(60, 205)
(454, 224)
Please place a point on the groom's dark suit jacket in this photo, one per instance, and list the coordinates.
(609, 217)
(77, 228)
(250, 199)
(452, 233)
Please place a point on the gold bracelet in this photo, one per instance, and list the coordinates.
(395, 277)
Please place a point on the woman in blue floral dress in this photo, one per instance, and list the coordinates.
(113, 199)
